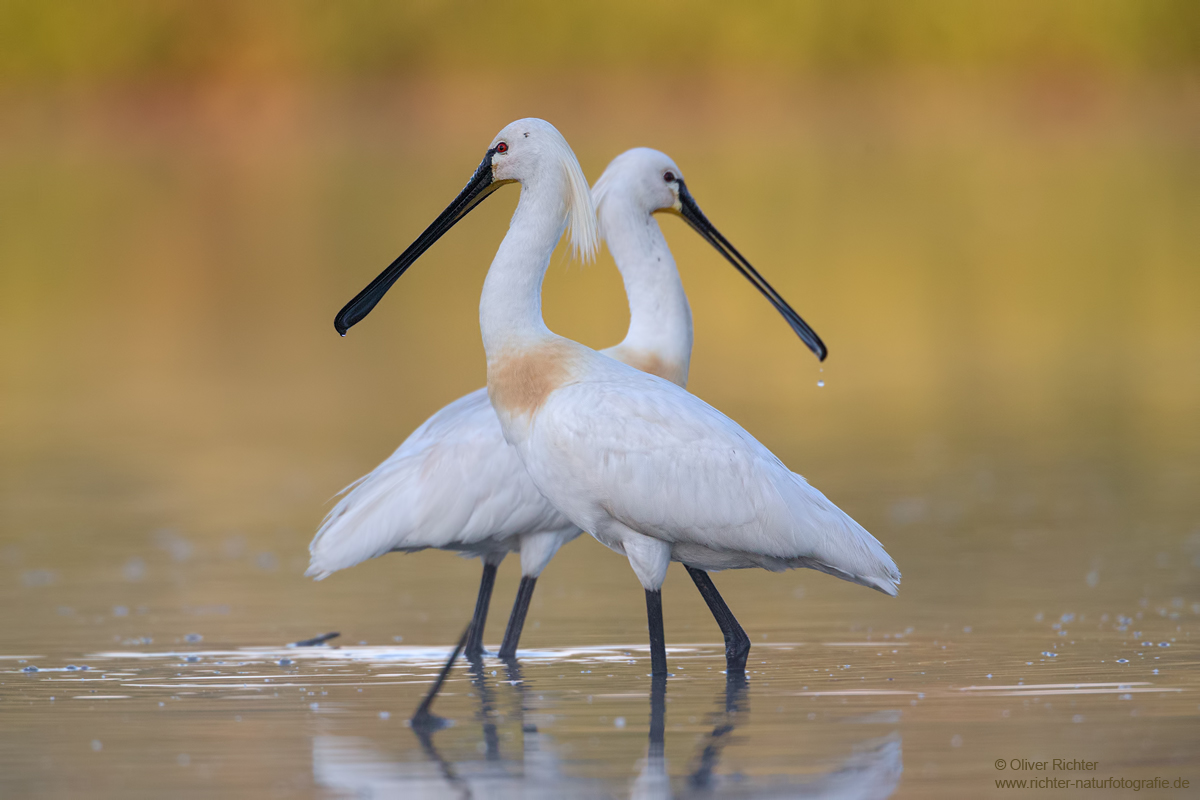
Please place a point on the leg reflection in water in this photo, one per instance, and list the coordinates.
(513, 752)
(654, 781)
(734, 699)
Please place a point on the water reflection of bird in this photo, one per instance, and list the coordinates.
(732, 704)
(354, 766)
(651, 471)
(357, 767)
(455, 484)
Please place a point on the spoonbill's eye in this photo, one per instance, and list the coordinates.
(668, 176)
(502, 147)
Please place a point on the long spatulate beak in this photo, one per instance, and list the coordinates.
(695, 217)
(476, 191)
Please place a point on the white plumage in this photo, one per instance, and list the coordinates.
(455, 484)
(658, 474)
(649, 469)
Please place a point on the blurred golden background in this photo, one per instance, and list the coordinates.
(989, 212)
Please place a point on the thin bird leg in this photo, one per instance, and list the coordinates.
(516, 620)
(658, 716)
(737, 643)
(475, 639)
(422, 718)
(658, 642)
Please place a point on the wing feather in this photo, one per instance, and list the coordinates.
(677, 469)
(455, 483)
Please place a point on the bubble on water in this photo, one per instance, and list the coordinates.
(193, 638)
(1164, 644)
(30, 668)
(134, 569)
(38, 577)
(1122, 660)
(192, 659)
(1049, 654)
(161, 704)
(314, 706)
(384, 715)
(619, 722)
(285, 662)
(170, 541)
(84, 666)
(1154, 671)
(397, 638)
(97, 745)
(989, 676)
(1066, 617)
(1147, 644)
(71, 668)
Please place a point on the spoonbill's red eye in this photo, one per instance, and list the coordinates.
(502, 148)
(668, 176)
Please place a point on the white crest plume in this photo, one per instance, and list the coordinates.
(581, 212)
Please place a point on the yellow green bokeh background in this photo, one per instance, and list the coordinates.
(988, 211)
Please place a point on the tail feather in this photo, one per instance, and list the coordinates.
(358, 528)
(841, 547)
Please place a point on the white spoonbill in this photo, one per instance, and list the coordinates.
(651, 471)
(455, 484)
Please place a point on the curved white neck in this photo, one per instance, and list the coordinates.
(510, 309)
(660, 319)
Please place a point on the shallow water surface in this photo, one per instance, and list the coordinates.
(919, 699)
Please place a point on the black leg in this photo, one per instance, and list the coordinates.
(737, 643)
(423, 719)
(658, 715)
(658, 643)
(475, 639)
(516, 620)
